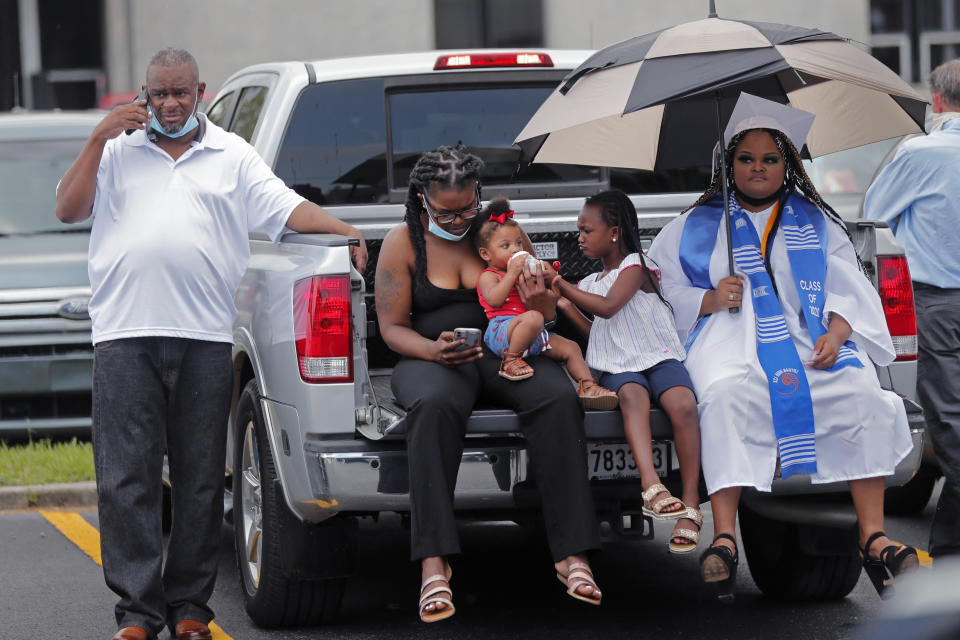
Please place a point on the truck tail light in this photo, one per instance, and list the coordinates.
(489, 60)
(896, 294)
(323, 328)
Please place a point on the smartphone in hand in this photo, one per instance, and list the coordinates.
(471, 335)
(141, 96)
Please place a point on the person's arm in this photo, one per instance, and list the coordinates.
(536, 295)
(78, 188)
(495, 289)
(394, 300)
(575, 316)
(828, 345)
(307, 217)
(728, 293)
(893, 191)
(627, 284)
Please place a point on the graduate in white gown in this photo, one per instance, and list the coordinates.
(859, 431)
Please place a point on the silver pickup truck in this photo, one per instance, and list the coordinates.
(317, 439)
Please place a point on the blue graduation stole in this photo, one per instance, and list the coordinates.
(802, 224)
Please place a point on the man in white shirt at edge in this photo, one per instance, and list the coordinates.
(173, 203)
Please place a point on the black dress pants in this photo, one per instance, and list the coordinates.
(938, 389)
(439, 400)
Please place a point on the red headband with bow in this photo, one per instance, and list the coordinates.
(502, 217)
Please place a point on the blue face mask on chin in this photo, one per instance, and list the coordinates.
(191, 123)
(440, 232)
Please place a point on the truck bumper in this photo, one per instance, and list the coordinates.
(46, 394)
(355, 476)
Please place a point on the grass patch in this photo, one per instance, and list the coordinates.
(46, 462)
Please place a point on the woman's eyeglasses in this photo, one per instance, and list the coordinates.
(446, 217)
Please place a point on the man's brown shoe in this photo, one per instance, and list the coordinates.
(130, 633)
(192, 630)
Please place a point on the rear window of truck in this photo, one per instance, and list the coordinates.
(352, 141)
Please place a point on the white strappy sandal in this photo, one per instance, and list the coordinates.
(579, 575)
(431, 599)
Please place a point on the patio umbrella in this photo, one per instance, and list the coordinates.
(661, 100)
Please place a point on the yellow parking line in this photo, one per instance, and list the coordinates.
(85, 535)
(77, 530)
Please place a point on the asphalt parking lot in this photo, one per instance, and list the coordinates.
(504, 586)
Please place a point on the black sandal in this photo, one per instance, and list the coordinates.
(718, 565)
(893, 561)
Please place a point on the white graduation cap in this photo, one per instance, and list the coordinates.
(752, 112)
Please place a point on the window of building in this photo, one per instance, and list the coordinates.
(912, 37)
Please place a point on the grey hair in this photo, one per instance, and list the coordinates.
(945, 80)
(173, 57)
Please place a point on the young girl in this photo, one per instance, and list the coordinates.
(513, 330)
(634, 342)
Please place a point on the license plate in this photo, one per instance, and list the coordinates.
(606, 461)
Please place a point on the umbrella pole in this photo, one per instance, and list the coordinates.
(726, 197)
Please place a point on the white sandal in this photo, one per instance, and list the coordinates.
(656, 510)
(579, 575)
(430, 598)
(688, 534)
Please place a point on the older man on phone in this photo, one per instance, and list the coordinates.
(173, 202)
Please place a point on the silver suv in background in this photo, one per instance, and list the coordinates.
(46, 356)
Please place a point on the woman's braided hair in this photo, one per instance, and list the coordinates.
(795, 178)
(445, 166)
(617, 210)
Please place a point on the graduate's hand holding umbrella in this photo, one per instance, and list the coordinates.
(727, 295)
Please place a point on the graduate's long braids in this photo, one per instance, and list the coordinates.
(445, 166)
(617, 210)
(796, 179)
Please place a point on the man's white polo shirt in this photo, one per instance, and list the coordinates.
(169, 242)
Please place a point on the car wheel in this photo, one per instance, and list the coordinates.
(782, 568)
(272, 597)
(911, 498)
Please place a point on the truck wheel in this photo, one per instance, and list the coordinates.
(271, 596)
(911, 498)
(783, 569)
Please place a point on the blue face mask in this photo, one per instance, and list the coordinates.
(440, 232)
(191, 123)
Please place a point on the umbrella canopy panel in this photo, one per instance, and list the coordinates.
(651, 102)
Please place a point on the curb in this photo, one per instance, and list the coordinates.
(75, 494)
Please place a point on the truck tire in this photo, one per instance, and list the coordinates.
(911, 498)
(272, 597)
(784, 570)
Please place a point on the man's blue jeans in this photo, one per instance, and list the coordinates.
(151, 396)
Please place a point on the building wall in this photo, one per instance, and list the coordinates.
(225, 35)
(577, 24)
